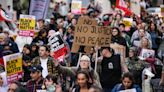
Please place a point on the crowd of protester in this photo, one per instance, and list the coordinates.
(43, 72)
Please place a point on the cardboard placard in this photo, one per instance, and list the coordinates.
(13, 66)
(83, 20)
(92, 35)
(26, 25)
(119, 49)
(76, 7)
(57, 45)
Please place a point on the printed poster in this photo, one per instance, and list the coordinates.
(26, 25)
(76, 7)
(57, 46)
(13, 66)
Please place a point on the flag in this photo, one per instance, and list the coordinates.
(4, 16)
(120, 4)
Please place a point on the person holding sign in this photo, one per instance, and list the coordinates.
(84, 64)
(118, 38)
(127, 84)
(110, 69)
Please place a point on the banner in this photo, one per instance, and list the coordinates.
(39, 8)
(135, 7)
(13, 66)
(76, 7)
(4, 16)
(26, 25)
(57, 46)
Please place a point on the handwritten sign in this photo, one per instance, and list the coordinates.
(83, 20)
(92, 35)
(13, 66)
(120, 49)
(26, 25)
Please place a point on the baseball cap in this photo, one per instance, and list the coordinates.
(85, 57)
(36, 68)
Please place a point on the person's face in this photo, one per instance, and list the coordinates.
(52, 21)
(84, 64)
(127, 82)
(152, 26)
(33, 48)
(35, 75)
(144, 42)
(44, 34)
(12, 87)
(118, 17)
(121, 28)
(139, 26)
(69, 30)
(141, 33)
(1, 81)
(2, 39)
(74, 21)
(42, 51)
(48, 82)
(131, 53)
(81, 80)
(40, 23)
(114, 32)
(26, 51)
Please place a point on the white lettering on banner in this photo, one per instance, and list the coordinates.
(56, 42)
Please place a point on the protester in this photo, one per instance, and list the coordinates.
(3, 82)
(51, 84)
(45, 61)
(127, 83)
(13, 86)
(26, 62)
(36, 81)
(110, 65)
(84, 64)
(83, 83)
(135, 66)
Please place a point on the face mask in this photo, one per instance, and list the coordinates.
(51, 88)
